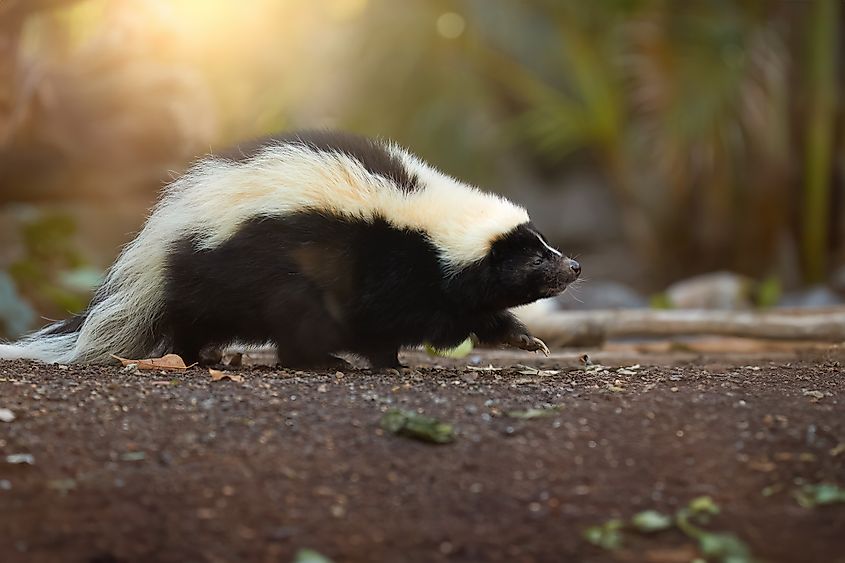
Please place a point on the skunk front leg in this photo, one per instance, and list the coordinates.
(504, 328)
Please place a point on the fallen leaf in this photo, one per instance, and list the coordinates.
(764, 465)
(523, 381)
(170, 361)
(488, 368)
(528, 370)
(133, 456)
(217, 375)
(416, 426)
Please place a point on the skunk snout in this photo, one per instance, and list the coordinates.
(574, 267)
(563, 271)
(568, 271)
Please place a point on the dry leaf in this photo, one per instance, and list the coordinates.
(170, 361)
(217, 375)
(488, 368)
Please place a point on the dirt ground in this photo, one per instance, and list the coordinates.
(177, 467)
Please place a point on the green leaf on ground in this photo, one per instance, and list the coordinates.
(417, 426)
(462, 350)
(649, 521)
(819, 494)
(716, 546)
(723, 547)
(703, 507)
(310, 556)
(607, 535)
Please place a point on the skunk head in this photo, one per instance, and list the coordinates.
(523, 267)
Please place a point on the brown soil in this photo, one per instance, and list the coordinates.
(175, 467)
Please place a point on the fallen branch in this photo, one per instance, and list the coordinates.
(585, 328)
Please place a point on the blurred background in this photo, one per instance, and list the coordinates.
(688, 153)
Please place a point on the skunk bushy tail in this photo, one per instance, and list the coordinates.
(124, 317)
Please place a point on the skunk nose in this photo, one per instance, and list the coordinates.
(575, 267)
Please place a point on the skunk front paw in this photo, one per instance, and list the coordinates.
(530, 343)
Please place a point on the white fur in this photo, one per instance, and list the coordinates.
(554, 251)
(216, 197)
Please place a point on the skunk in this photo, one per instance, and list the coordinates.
(320, 243)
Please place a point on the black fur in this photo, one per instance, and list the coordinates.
(317, 285)
(67, 326)
(370, 153)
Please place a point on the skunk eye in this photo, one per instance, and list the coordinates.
(537, 261)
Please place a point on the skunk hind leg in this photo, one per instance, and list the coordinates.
(383, 357)
(309, 335)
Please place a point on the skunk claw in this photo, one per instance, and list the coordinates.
(531, 344)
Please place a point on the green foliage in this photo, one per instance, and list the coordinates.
(681, 108)
(52, 274)
(16, 315)
(768, 292)
(660, 301)
(820, 494)
(709, 120)
(822, 35)
(714, 546)
(607, 535)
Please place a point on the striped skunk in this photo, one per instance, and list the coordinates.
(320, 243)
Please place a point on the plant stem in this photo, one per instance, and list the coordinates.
(821, 55)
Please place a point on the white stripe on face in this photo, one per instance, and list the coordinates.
(546, 245)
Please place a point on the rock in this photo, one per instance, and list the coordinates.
(718, 290)
(814, 296)
(20, 458)
(6, 415)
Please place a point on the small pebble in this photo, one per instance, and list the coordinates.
(20, 458)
